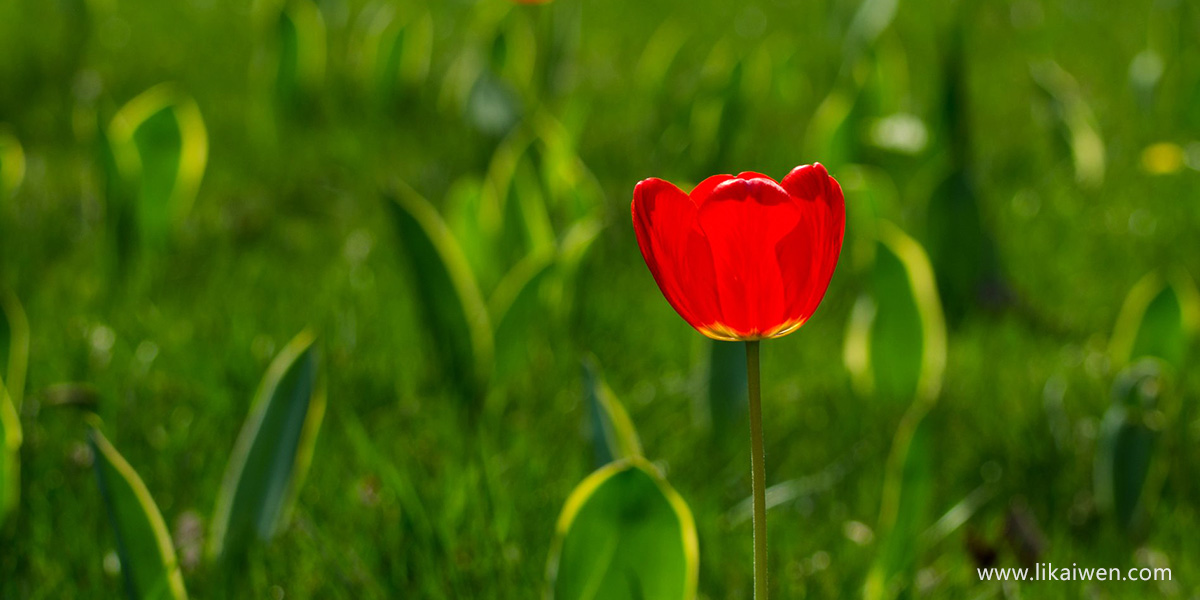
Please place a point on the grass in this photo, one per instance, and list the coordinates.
(289, 230)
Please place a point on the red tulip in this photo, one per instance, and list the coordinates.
(743, 258)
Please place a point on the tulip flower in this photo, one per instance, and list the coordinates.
(744, 259)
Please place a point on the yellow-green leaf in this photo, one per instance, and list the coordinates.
(393, 52)
(896, 349)
(896, 339)
(624, 534)
(10, 455)
(273, 451)
(14, 346)
(148, 561)
(302, 50)
(1078, 121)
(1159, 318)
(160, 148)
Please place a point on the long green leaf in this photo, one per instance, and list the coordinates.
(515, 307)
(896, 349)
(448, 293)
(572, 250)
(160, 148)
(14, 346)
(392, 53)
(1125, 447)
(10, 455)
(624, 533)
(961, 248)
(613, 434)
(302, 50)
(904, 507)
(1078, 121)
(896, 339)
(1159, 318)
(143, 543)
(273, 451)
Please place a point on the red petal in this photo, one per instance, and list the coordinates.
(809, 255)
(664, 219)
(753, 175)
(744, 221)
(701, 192)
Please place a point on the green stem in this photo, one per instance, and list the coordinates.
(758, 474)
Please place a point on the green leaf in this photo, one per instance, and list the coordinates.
(1125, 446)
(449, 296)
(10, 455)
(514, 50)
(14, 346)
(613, 434)
(160, 148)
(876, 198)
(961, 249)
(516, 306)
(728, 400)
(871, 19)
(273, 450)
(14, 352)
(144, 545)
(904, 511)
(1078, 121)
(1159, 318)
(896, 350)
(660, 53)
(302, 50)
(574, 247)
(393, 54)
(832, 132)
(12, 163)
(624, 534)
(896, 339)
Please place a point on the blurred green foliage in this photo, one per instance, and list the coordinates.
(1045, 154)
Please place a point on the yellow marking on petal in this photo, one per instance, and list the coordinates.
(722, 332)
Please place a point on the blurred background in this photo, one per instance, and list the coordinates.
(1000, 373)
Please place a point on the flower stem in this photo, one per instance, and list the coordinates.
(758, 474)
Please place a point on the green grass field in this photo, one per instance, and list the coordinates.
(1046, 155)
